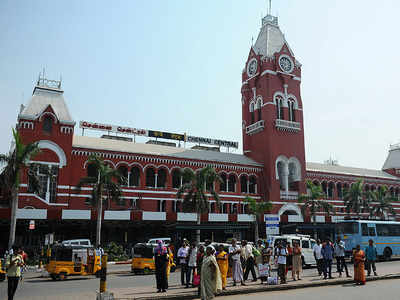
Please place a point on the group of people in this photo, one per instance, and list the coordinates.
(15, 260)
(325, 252)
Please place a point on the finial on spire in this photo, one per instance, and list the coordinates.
(252, 40)
(269, 7)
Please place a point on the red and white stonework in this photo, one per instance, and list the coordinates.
(272, 167)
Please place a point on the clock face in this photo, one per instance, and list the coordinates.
(286, 64)
(252, 67)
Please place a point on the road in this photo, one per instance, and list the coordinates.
(383, 289)
(85, 287)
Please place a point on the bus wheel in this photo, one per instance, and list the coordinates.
(53, 276)
(62, 276)
(387, 253)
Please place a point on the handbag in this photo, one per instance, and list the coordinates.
(196, 279)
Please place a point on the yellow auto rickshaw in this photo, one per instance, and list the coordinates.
(143, 259)
(72, 260)
(2, 270)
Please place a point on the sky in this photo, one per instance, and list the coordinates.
(176, 66)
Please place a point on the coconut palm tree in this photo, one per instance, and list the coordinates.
(106, 183)
(195, 192)
(256, 209)
(382, 205)
(16, 162)
(355, 199)
(314, 202)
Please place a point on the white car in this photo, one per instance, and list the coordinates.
(165, 240)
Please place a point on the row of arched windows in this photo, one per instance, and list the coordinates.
(225, 208)
(333, 190)
(291, 109)
(158, 179)
(256, 108)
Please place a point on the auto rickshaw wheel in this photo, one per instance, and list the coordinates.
(62, 276)
(2, 276)
(146, 271)
(53, 276)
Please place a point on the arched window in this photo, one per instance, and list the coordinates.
(212, 207)
(280, 166)
(316, 182)
(47, 124)
(91, 170)
(123, 170)
(234, 208)
(232, 183)
(150, 177)
(292, 116)
(243, 184)
(339, 189)
(223, 185)
(258, 108)
(252, 112)
(324, 187)
(178, 205)
(161, 178)
(176, 178)
(279, 108)
(331, 187)
(134, 177)
(294, 175)
(252, 185)
(162, 205)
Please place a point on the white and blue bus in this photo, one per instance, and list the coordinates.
(385, 234)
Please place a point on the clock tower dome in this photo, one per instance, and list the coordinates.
(272, 113)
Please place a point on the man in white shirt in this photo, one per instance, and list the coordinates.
(247, 253)
(282, 253)
(192, 262)
(182, 254)
(234, 255)
(318, 256)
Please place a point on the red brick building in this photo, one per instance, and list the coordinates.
(272, 167)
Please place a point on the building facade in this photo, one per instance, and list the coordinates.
(272, 167)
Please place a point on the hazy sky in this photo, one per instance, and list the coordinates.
(176, 66)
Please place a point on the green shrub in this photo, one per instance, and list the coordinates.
(115, 252)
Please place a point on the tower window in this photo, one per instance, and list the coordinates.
(258, 108)
(279, 108)
(292, 116)
(48, 124)
(252, 112)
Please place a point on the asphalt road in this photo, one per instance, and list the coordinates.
(80, 287)
(382, 289)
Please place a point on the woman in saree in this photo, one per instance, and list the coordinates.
(210, 276)
(359, 259)
(170, 261)
(222, 260)
(161, 264)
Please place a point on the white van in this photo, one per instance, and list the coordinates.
(77, 242)
(165, 240)
(306, 244)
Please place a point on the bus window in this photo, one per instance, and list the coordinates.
(364, 229)
(371, 231)
(382, 229)
(347, 228)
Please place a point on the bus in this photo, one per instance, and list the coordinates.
(385, 234)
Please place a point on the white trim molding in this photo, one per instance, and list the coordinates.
(45, 144)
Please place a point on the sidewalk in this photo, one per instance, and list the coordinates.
(178, 292)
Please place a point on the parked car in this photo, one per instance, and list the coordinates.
(166, 240)
(77, 242)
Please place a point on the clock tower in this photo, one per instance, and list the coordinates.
(272, 114)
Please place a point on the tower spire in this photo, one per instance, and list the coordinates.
(269, 7)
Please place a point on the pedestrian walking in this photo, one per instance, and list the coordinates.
(318, 256)
(182, 255)
(297, 261)
(281, 260)
(359, 272)
(339, 249)
(289, 259)
(222, 260)
(171, 262)
(210, 276)
(371, 255)
(191, 262)
(14, 263)
(327, 254)
(247, 253)
(237, 271)
(161, 264)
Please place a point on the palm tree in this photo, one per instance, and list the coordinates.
(313, 202)
(355, 199)
(256, 209)
(10, 177)
(195, 189)
(106, 185)
(383, 203)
